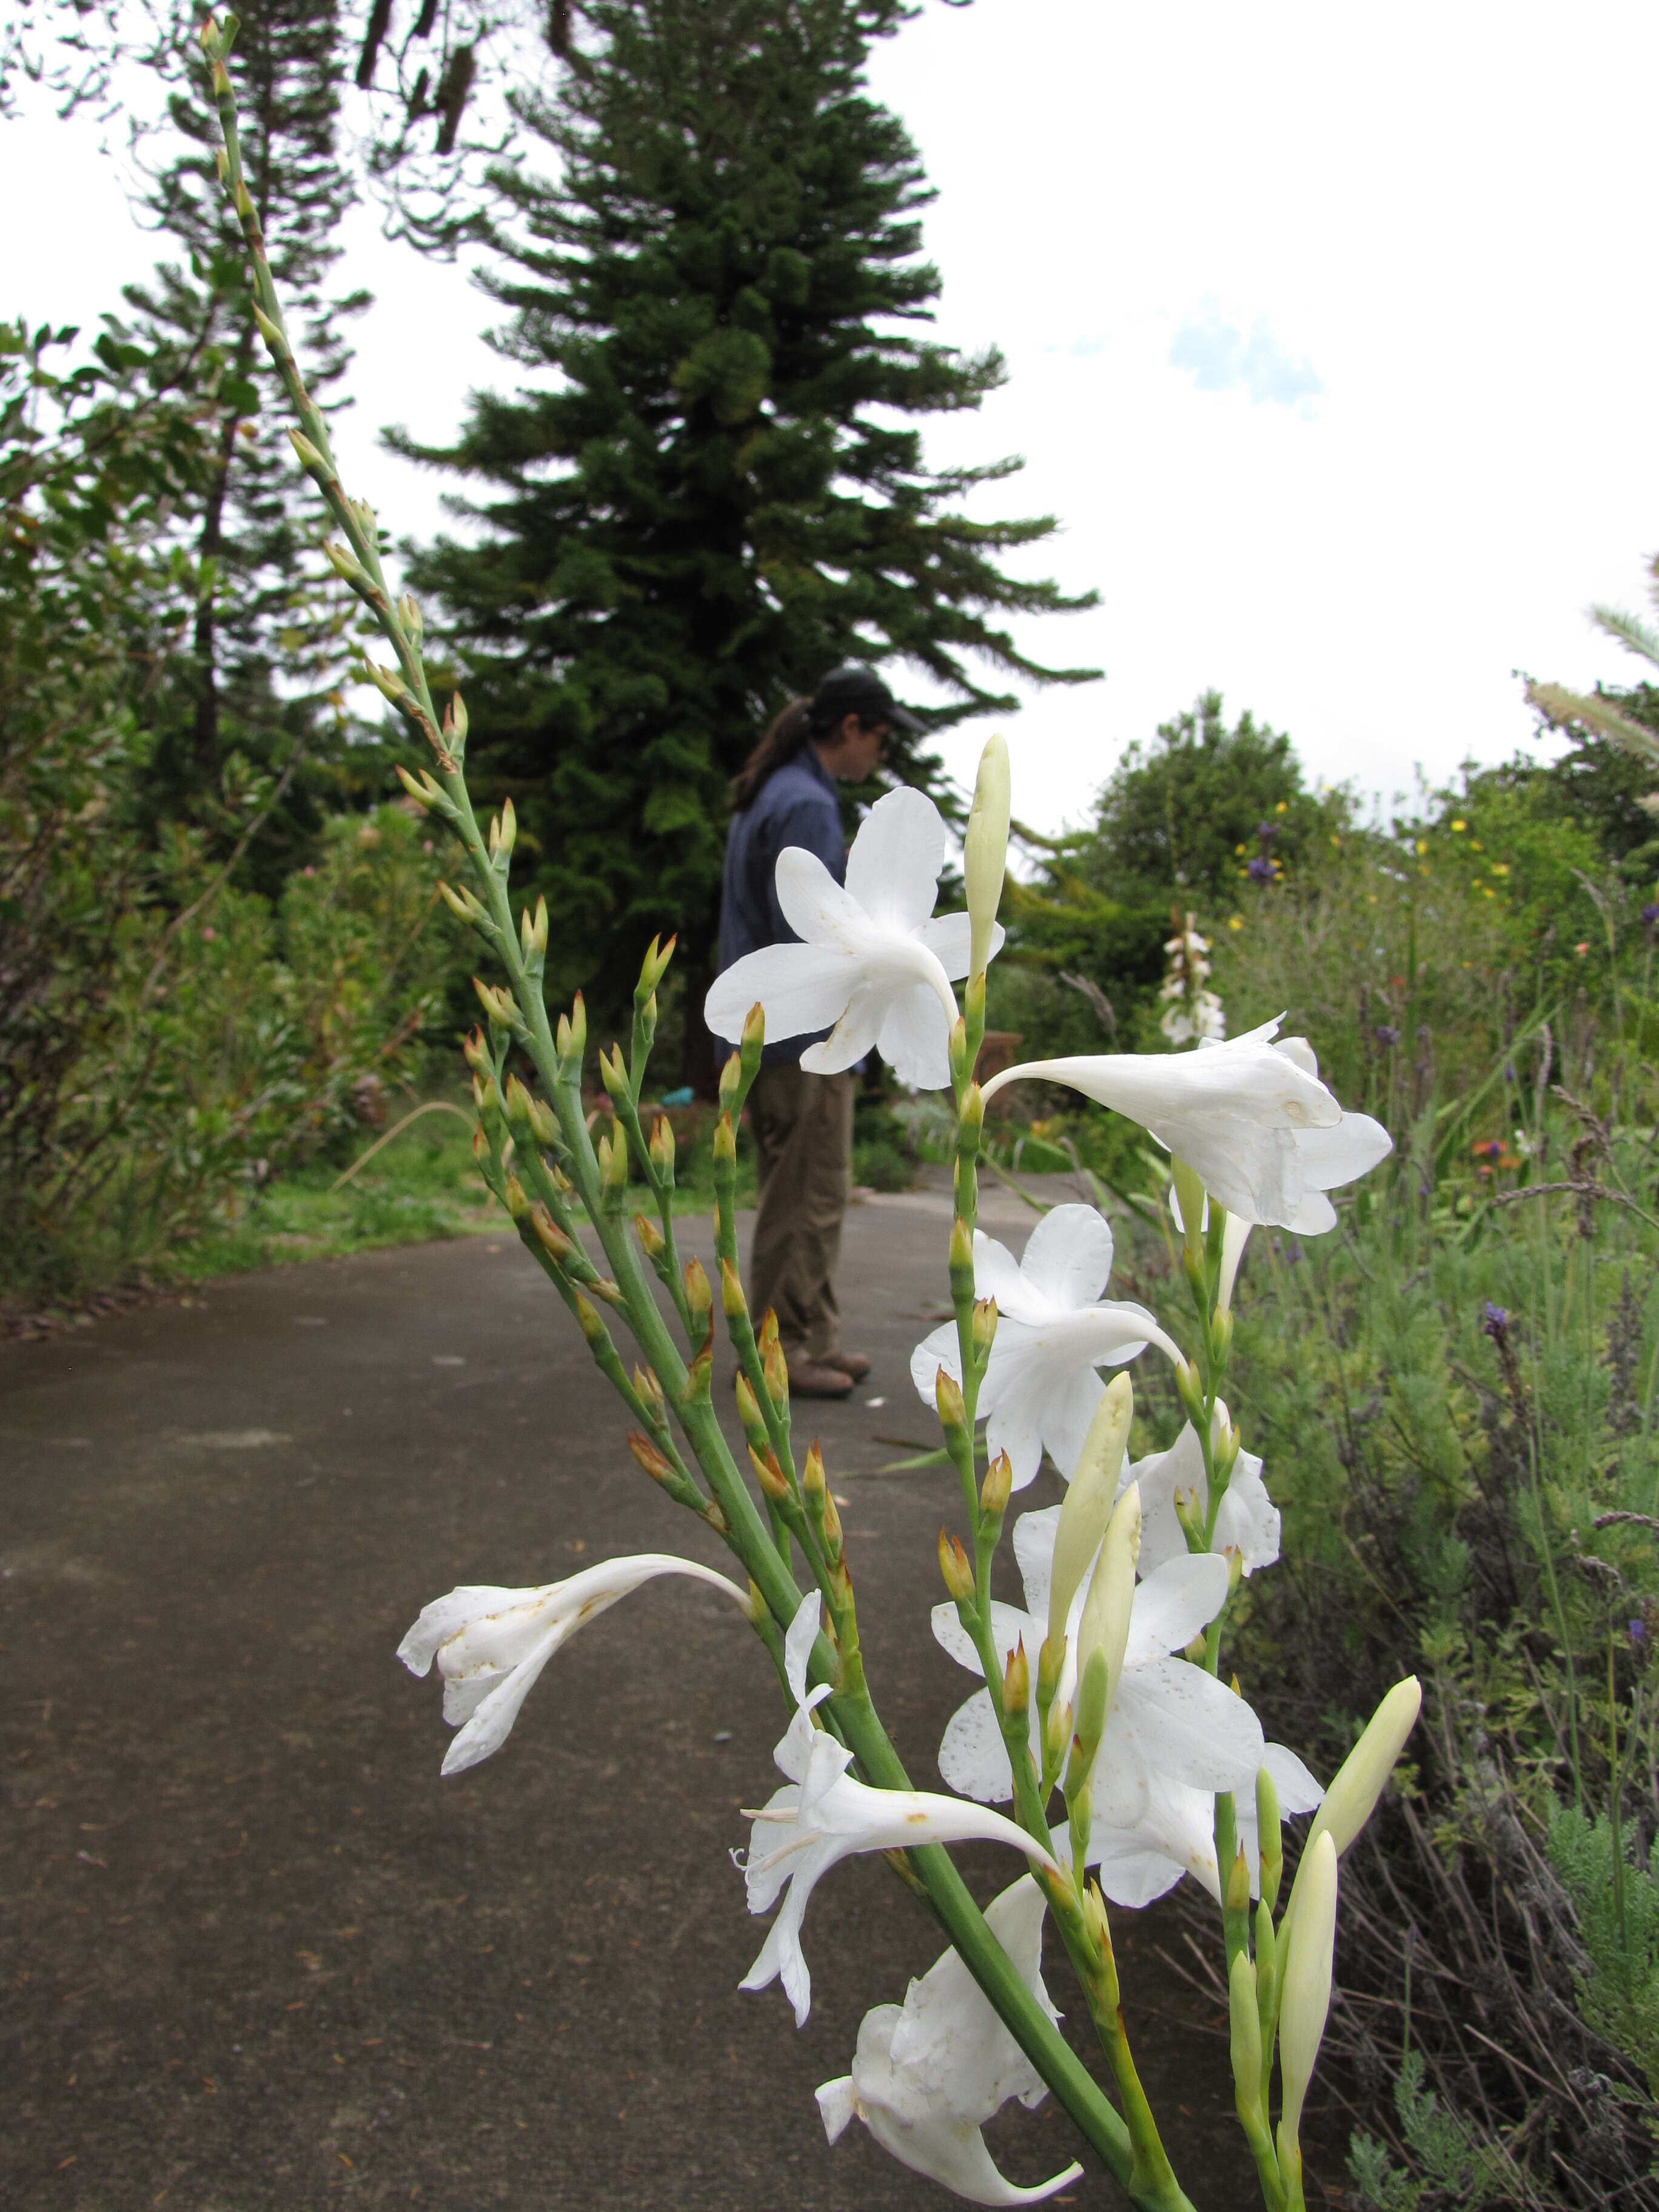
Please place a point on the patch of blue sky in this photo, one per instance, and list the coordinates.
(1222, 358)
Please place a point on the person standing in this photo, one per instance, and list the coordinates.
(785, 794)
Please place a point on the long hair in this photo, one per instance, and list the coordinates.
(784, 739)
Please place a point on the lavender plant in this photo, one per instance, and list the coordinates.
(1105, 1722)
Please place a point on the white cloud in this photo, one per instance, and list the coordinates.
(1224, 357)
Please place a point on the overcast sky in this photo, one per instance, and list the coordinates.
(1326, 342)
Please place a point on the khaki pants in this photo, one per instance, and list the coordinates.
(803, 1127)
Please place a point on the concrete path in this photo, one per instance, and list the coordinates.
(257, 1955)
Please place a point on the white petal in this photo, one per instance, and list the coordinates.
(853, 1034)
(1247, 1519)
(950, 937)
(972, 1756)
(1161, 1475)
(1009, 1626)
(1065, 1424)
(892, 869)
(1298, 1791)
(941, 1349)
(801, 988)
(1034, 1550)
(486, 1729)
(996, 1274)
(1014, 1397)
(437, 1622)
(1174, 1602)
(914, 1039)
(1136, 1875)
(1069, 1256)
(817, 908)
(1313, 1215)
(1190, 1727)
(798, 1643)
(1331, 1157)
(836, 2103)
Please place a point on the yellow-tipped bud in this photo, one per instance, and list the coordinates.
(496, 1003)
(548, 1234)
(409, 614)
(699, 1295)
(998, 1486)
(1238, 1883)
(1306, 1999)
(649, 1457)
(518, 1205)
(1105, 1626)
(749, 1411)
(961, 1248)
(1088, 1721)
(613, 1074)
(776, 1370)
(725, 1146)
(947, 1396)
(476, 1052)
(1051, 1660)
(959, 1068)
(662, 1146)
(754, 1036)
(985, 849)
(973, 1110)
(832, 1536)
(1016, 1682)
(1245, 2021)
(771, 1476)
(420, 799)
(1087, 1506)
(956, 1567)
(311, 460)
(588, 1316)
(617, 1168)
(1094, 1916)
(731, 1081)
(812, 1481)
(647, 1389)
(504, 832)
(653, 1243)
(985, 1327)
(733, 1304)
(1269, 1830)
(455, 721)
(654, 966)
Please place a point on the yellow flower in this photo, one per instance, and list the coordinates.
(1422, 845)
(1282, 806)
(1235, 921)
(1460, 825)
(1500, 867)
(1238, 848)
(1475, 845)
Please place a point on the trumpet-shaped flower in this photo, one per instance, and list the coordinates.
(928, 2073)
(1054, 1330)
(822, 1815)
(1174, 1833)
(490, 1644)
(1251, 1116)
(1246, 1521)
(1170, 1726)
(874, 960)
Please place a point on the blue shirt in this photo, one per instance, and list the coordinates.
(796, 806)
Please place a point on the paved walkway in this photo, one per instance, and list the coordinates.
(256, 1954)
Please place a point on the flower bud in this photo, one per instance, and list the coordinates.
(649, 1457)
(748, 1413)
(733, 1304)
(517, 1203)
(1266, 1959)
(418, 794)
(1238, 1883)
(959, 1068)
(1087, 1506)
(578, 1027)
(497, 1006)
(548, 1234)
(517, 1103)
(1190, 1391)
(476, 1052)
(776, 1370)
(985, 849)
(985, 1328)
(972, 1117)
(461, 903)
(1105, 1626)
(832, 1536)
(1051, 1661)
(1192, 1200)
(724, 1147)
(1269, 1830)
(754, 1038)
(648, 1390)
(947, 1397)
(1057, 1736)
(699, 1297)
(662, 1147)
(1094, 1916)
(773, 1479)
(455, 723)
(998, 1486)
(588, 1317)
(813, 1483)
(1221, 1333)
(731, 1081)
(311, 460)
(1244, 2020)
(955, 1566)
(1017, 1683)
(1306, 1999)
(654, 966)
(613, 1074)
(1349, 1802)
(653, 1243)
(961, 1251)
(617, 1172)
(1089, 1720)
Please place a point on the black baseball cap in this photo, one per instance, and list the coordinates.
(853, 688)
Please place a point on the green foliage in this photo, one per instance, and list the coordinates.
(719, 492)
(1448, 2165)
(1617, 1902)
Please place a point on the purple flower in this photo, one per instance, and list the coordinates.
(1496, 1321)
(1261, 870)
(1638, 1631)
(1650, 913)
(1386, 1033)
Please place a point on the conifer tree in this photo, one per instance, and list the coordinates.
(719, 491)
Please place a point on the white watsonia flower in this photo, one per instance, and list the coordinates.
(1170, 1725)
(874, 960)
(929, 2074)
(1174, 1833)
(1246, 1521)
(822, 1815)
(490, 1644)
(1250, 1115)
(1053, 1331)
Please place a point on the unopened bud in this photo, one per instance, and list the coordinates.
(548, 1234)
(699, 1297)
(973, 1110)
(812, 1481)
(998, 1486)
(616, 1171)
(496, 1003)
(1267, 1957)
(587, 1318)
(947, 1396)
(1057, 1736)
(749, 1411)
(733, 1304)
(662, 1147)
(409, 614)
(985, 1327)
(771, 1476)
(776, 1370)
(1305, 2002)
(1016, 1682)
(1105, 1625)
(455, 722)
(1051, 1660)
(959, 1052)
(832, 1536)
(956, 1567)
(613, 1074)
(754, 1038)
(1359, 1781)
(517, 1103)
(504, 831)
(1087, 1506)
(985, 850)
(517, 1203)
(961, 1249)
(310, 459)
(1089, 1721)
(1238, 1883)
(1094, 1918)
(654, 966)
(731, 1081)
(1190, 1390)
(649, 1457)
(1245, 2021)
(476, 1052)
(653, 1243)
(725, 1146)
(648, 1390)
(578, 1030)
(1221, 1333)
(1235, 1559)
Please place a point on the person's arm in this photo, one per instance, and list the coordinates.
(815, 823)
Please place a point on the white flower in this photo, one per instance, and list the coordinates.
(1205, 1018)
(490, 1644)
(929, 2074)
(871, 961)
(1052, 1332)
(1173, 1832)
(1170, 1725)
(1246, 1521)
(1250, 1116)
(822, 1815)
